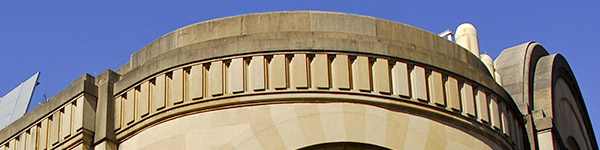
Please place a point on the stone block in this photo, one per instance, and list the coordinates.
(143, 99)
(332, 120)
(376, 121)
(453, 93)
(22, 142)
(278, 73)
(319, 67)
(78, 114)
(400, 82)
(43, 134)
(12, 144)
(418, 83)
(381, 76)
(257, 73)
(157, 47)
(437, 138)
(32, 139)
(389, 29)
(299, 71)
(338, 22)
(340, 72)
(495, 117)
(355, 122)
(65, 124)
(482, 106)
(235, 75)
(468, 99)
(118, 112)
(504, 118)
(216, 78)
(89, 109)
(54, 135)
(276, 22)
(361, 72)
(196, 82)
(436, 88)
(419, 39)
(212, 29)
(158, 92)
(129, 108)
(310, 121)
(176, 87)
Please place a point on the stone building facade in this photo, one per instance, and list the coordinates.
(310, 80)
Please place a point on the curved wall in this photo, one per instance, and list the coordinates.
(297, 125)
(548, 96)
(559, 109)
(294, 58)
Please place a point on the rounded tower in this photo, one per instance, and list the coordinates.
(290, 80)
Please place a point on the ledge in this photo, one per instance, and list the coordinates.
(302, 30)
(83, 84)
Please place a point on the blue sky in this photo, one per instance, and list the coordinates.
(65, 39)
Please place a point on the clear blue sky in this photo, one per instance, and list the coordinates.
(65, 39)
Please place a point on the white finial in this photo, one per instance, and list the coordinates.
(466, 36)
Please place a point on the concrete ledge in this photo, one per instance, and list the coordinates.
(446, 59)
(303, 30)
(83, 84)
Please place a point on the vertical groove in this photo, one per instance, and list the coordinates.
(186, 84)
(168, 86)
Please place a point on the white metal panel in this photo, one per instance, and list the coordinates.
(14, 104)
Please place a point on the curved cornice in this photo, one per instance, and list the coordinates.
(302, 30)
(517, 65)
(549, 70)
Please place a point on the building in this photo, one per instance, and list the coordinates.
(310, 80)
